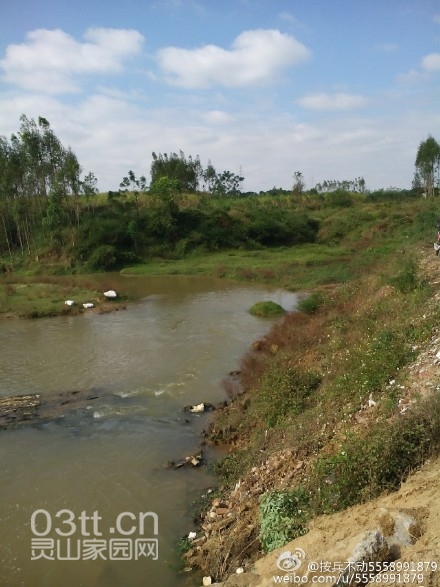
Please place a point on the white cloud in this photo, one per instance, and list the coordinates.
(217, 117)
(111, 135)
(339, 101)
(256, 56)
(49, 60)
(431, 62)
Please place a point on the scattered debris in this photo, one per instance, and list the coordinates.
(88, 305)
(69, 302)
(199, 408)
(110, 294)
(18, 408)
(192, 460)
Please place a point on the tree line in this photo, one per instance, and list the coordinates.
(38, 174)
(47, 201)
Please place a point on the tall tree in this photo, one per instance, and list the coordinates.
(428, 163)
(298, 184)
(186, 170)
(38, 177)
(132, 184)
(227, 183)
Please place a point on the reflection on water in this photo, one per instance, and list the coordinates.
(144, 364)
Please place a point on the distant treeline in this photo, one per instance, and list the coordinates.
(49, 208)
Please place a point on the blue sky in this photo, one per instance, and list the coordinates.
(335, 89)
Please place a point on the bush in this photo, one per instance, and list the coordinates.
(283, 517)
(104, 257)
(311, 303)
(265, 309)
(339, 198)
(368, 465)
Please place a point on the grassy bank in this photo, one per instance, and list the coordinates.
(27, 298)
(284, 266)
(350, 240)
(332, 387)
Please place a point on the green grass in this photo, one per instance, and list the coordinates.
(283, 266)
(37, 300)
(266, 309)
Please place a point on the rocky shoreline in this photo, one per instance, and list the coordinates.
(34, 408)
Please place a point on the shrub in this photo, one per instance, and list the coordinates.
(368, 465)
(104, 257)
(283, 517)
(266, 309)
(311, 303)
(339, 198)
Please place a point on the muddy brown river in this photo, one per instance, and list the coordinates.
(85, 497)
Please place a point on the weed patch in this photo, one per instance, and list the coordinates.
(311, 303)
(284, 392)
(283, 517)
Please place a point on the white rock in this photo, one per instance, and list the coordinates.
(88, 305)
(198, 408)
(69, 302)
(110, 294)
(207, 581)
(239, 570)
(192, 535)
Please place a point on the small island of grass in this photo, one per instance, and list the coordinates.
(266, 309)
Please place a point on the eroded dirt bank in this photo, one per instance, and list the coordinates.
(333, 538)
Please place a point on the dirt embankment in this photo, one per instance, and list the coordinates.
(332, 539)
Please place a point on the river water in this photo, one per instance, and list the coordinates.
(170, 349)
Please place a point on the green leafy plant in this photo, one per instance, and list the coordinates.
(366, 466)
(311, 303)
(283, 517)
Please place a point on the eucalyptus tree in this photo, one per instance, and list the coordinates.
(70, 175)
(298, 184)
(6, 241)
(39, 179)
(209, 176)
(186, 170)
(17, 183)
(167, 192)
(428, 164)
(134, 185)
(89, 187)
(225, 183)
